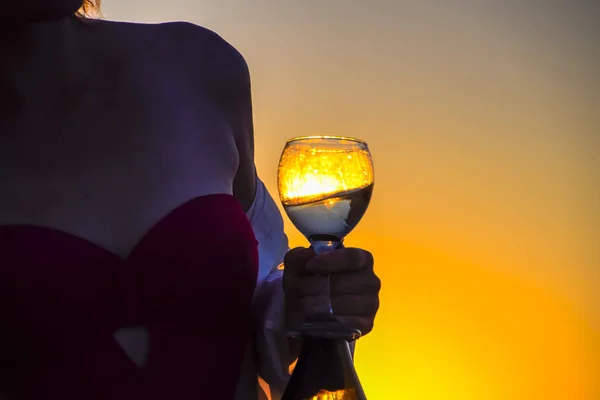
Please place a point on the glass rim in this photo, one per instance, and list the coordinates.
(348, 138)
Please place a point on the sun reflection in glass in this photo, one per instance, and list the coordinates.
(312, 170)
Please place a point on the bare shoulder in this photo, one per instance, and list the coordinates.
(205, 50)
(196, 53)
(203, 45)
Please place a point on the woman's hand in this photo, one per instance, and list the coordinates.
(354, 287)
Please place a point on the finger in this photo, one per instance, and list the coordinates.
(340, 260)
(294, 262)
(351, 283)
(312, 285)
(294, 266)
(339, 284)
(354, 283)
(312, 305)
(342, 306)
(355, 305)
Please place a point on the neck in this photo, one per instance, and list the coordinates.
(37, 61)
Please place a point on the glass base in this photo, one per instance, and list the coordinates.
(334, 330)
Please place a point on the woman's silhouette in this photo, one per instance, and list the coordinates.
(132, 220)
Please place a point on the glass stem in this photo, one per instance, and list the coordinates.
(324, 312)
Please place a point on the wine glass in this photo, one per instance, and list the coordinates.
(325, 185)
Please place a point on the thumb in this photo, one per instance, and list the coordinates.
(294, 262)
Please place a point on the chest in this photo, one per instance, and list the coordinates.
(107, 163)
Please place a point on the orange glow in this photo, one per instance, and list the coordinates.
(449, 329)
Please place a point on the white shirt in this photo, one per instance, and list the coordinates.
(268, 355)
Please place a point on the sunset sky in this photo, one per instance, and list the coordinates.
(484, 123)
